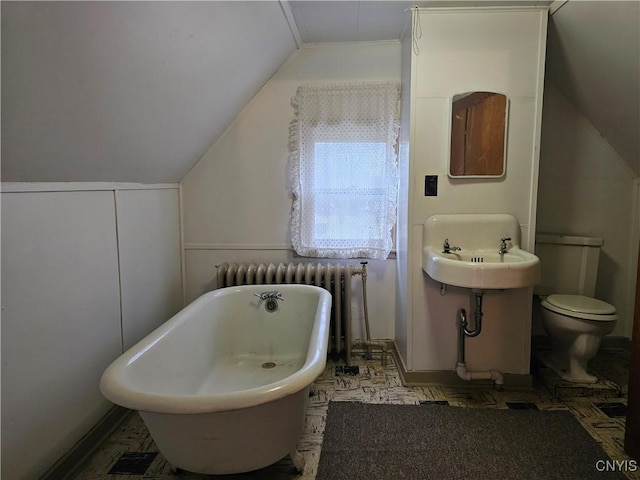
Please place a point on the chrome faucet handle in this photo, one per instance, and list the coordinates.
(503, 245)
(270, 295)
(446, 248)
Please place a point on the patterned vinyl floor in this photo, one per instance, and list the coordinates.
(130, 453)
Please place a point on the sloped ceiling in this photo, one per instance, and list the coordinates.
(129, 91)
(350, 21)
(593, 58)
(137, 91)
(360, 21)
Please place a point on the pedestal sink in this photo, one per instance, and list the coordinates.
(479, 251)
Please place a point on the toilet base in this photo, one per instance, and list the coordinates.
(574, 342)
(574, 372)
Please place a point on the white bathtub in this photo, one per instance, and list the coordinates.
(222, 386)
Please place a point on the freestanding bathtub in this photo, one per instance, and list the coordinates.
(223, 385)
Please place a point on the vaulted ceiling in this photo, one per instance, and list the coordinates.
(137, 91)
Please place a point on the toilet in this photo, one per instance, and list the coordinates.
(573, 319)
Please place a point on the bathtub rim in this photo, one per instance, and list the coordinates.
(118, 392)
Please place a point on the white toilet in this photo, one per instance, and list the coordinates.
(574, 320)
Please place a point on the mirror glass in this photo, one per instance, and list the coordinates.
(478, 135)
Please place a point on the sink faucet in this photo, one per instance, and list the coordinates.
(503, 245)
(448, 248)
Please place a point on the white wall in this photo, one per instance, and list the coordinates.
(403, 325)
(150, 263)
(86, 268)
(585, 188)
(237, 199)
(500, 50)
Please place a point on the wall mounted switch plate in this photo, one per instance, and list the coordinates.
(430, 185)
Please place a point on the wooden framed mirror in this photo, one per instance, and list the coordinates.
(478, 135)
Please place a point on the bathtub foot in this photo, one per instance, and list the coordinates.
(298, 460)
(175, 470)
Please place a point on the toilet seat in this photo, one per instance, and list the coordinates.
(579, 306)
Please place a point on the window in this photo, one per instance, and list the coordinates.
(343, 170)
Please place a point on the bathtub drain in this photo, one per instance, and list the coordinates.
(268, 365)
(271, 305)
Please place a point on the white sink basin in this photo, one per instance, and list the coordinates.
(477, 264)
(483, 269)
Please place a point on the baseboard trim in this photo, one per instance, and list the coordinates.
(71, 461)
(425, 378)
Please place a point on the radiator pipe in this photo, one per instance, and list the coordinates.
(463, 332)
(366, 309)
(368, 342)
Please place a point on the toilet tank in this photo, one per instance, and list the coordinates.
(568, 264)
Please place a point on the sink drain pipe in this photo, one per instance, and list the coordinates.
(463, 332)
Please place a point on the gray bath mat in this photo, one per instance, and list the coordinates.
(369, 442)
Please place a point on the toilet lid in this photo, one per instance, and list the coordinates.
(581, 307)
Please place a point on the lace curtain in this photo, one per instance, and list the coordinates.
(343, 170)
